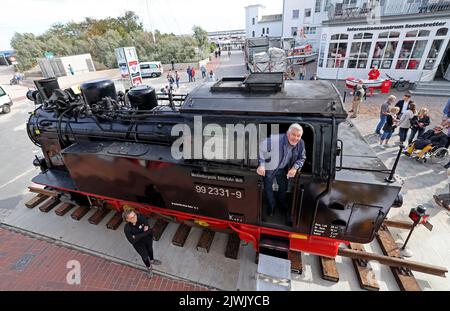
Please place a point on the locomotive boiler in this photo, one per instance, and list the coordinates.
(122, 150)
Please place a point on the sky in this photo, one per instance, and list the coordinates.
(171, 16)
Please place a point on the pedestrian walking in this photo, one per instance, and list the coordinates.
(189, 73)
(405, 121)
(203, 70)
(170, 79)
(193, 74)
(177, 79)
(418, 124)
(216, 53)
(302, 72)
(384, 111)
(229, 53)
(220, 52)
(138, 232)
(446, 113)
(211, 76)
(172, 62)
(72, 72)
(357, 99)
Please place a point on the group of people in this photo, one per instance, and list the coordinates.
(404, 116)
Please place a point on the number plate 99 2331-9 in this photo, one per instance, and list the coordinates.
(219, 191)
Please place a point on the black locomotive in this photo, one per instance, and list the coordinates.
(117, 149)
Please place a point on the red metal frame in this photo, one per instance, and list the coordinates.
(249, 233)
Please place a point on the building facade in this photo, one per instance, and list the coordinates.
(414, 46)
(302, 21)
(259, 25)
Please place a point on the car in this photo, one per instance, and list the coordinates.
(151, 69)
(5, 101)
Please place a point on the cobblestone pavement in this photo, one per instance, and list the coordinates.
(28, 263)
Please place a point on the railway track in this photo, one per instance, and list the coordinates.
(402, 270)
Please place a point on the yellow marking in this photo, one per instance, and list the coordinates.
(298, 236)
(37, 132)
(201, 223)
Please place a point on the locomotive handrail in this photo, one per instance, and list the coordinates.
(341, 155)
(255, 241)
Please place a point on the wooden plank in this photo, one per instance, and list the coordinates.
(158, 228)
(63, 209)
(98, 216)
(181, 235)
(205, 241)
(364, 272)
(404, 277)
(38, 199)
(398, 224)
(394, 262)
(115, 221)
(46, 192)
(233, 246)
(296, 262)
(80, 212)
(329, 269)
(49, 204)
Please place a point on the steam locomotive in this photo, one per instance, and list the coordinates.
(115, 150)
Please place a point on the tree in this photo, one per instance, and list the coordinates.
(101, 37)
(201, 36)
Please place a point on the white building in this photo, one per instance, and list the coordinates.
(259, 25)
(60, 66)
(412, 43)
(302, 20)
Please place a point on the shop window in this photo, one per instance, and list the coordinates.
(358, 35)
(336, 53)
(263, 30)
(433, 54)
(359, 53)
(307, 12)
(379, 50)
(424, 33)
(339, 36)
(410, 54)
(394, 34)
(383, 34)
(412, 33)
(295, 14)
(367, 35)
(442, 32)
(317, 6)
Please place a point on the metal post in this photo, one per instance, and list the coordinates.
(391, 178)
(409, 235)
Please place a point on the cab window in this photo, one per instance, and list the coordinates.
(2, 92)
(145, 66)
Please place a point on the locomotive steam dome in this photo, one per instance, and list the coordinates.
(143, 97)
(93, 91)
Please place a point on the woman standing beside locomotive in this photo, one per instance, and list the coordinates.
(139, 234)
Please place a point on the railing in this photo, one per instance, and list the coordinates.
(338, 11)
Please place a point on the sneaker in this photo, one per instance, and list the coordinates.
(155, 262)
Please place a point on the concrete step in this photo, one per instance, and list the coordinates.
(432, 88)
(431, 92)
